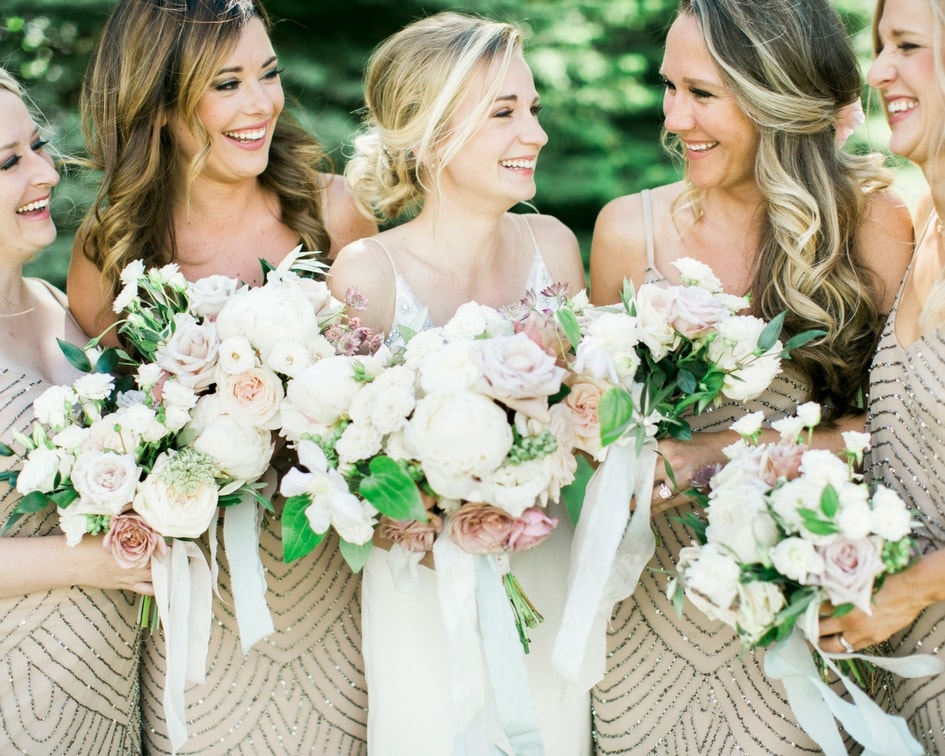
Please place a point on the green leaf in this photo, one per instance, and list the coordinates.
(829, 502)
(839, 611)
(771, 331)
(796, 342)
(573, 494)
(686, 382)
(615, 411)
(34, 501)
(355, 554)
(298, 538)
(392, 491)
(5, 451)
(107, 361)
(569, 324)
(63, 499)
(814, 524)
(76, 356)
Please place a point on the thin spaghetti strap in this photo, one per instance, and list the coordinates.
(530, 233)
(648, 227)
(390, 259)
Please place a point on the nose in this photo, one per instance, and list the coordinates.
(677, 112)
(534, 133)
(263, 98)
(881, 71)
(44, 170)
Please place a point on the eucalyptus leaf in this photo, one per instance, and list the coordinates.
(796, 342)
(771, 331)
(76, 356)
(107, 361)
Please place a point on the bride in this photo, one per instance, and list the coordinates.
(452, 128)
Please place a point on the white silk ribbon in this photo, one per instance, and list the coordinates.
(248, 579)
(607, 557)
(183, 593)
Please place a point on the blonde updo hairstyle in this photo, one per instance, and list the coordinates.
(415, 83)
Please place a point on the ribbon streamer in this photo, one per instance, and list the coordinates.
(241, 538)
(607, 557)
(184, 595)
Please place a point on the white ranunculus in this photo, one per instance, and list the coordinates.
(289, 357)
(748, 425)
(105, 482)
(39, 471)
(142, 421)
(266, 315)
(236, 355)
(797, 558)
(357, 442)
(809, 414)
(825, 467)
(325, 389)
(148, 375)
(176, 501)
(53, 407)
(758, 604)
(519, 373)
(454, 367)
(462, 433)
(176, 394)
(890, 517)
(208, 295)
(191, 352)
(472, 320)
(252, 397)
(696, 273)
(855, 517)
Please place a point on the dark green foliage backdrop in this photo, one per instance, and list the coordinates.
(595, 65)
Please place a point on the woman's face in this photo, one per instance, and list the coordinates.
(27, 176)
(719, 140)
(904, 74)
(239, 110)
(495, 168)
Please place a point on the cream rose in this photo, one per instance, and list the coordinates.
(191, 352)
(208, 295)
(252, 397)
(105, 482)
(519, 373)
(481, 529)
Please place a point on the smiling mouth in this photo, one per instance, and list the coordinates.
(250, 135)
(530, 164)
(701, 147)
(33, 207)
(901, 106)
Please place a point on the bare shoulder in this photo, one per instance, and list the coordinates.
(89, 298)
(886, 241)
(560, 250)
(365, 266)
(343, 218)
(618, 248)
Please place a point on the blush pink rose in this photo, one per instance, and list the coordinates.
(481, 528)
(782, 461)
(410, 534)
(851, 567)
(695, 311)
(584, 401)
(543, 330)
(132, 541)
(529, 530)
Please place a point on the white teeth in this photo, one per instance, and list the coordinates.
(701, 147)
(517, 163)
(901, 106)
(246, 136)
(34, 206)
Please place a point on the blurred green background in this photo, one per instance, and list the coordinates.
(595, 65)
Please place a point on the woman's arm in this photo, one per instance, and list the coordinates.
(343, 219)
(89, 299)
(618, 249)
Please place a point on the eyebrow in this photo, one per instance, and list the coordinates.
(694, 82)
(513, 98)
(16, 142)
(237, 69)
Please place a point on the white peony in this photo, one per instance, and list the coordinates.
(105, 482)
(241, 451)
(325, 389)
(472, 320)
(179, 498)
(454, 367)
(266, 315)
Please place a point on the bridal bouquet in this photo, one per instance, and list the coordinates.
(461, 432)
(786, 529)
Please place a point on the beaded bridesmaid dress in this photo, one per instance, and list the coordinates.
(69, 656)
(906, 421)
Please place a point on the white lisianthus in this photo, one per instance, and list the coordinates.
(125, 297)
(71, 438)
(105, 482)
(111, 434)
(332, 503)
(252, 397)
(236, 355)
(386, 406)
(325, 390)
(130, 398)
(809, 414)
(454, 367)
(39, 471)
(855, 517)
(749, 425)
(695, 273)
(790, 428)
(179, 498)
(148, 375)
(170, 276)
(358, 441)
(207, 295)
(758, 604)
(796, 559)
(94, 387)
(179, 400)
(458, 434)
(855, 443)
(191, 352)
(132, 272)
(787, 499)
(890, 517)
(74, 526)
(289, 357)
(608, 349)
(143, 422)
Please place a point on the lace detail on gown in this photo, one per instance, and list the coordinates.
(68, 657)
(906, 421)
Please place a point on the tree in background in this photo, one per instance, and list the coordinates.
(595, 64)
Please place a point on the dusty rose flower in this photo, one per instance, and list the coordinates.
(529, 530)
(544, 331)
(850, 567)
(410, 534)
(583, 401)
(782, 461)
(132, 541)
(481, 528)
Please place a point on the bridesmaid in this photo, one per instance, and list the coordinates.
(452, 128)
(182, 107)
(906, 413)
(758, 96)
(68, 619)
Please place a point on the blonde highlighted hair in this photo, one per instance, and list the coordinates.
(790, 68)
(156, 58)
(415, 82)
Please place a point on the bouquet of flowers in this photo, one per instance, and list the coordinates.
(460, 431)
(787, 528)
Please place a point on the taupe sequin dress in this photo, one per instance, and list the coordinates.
(906, 420)
(299, 690)
(69, 656)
